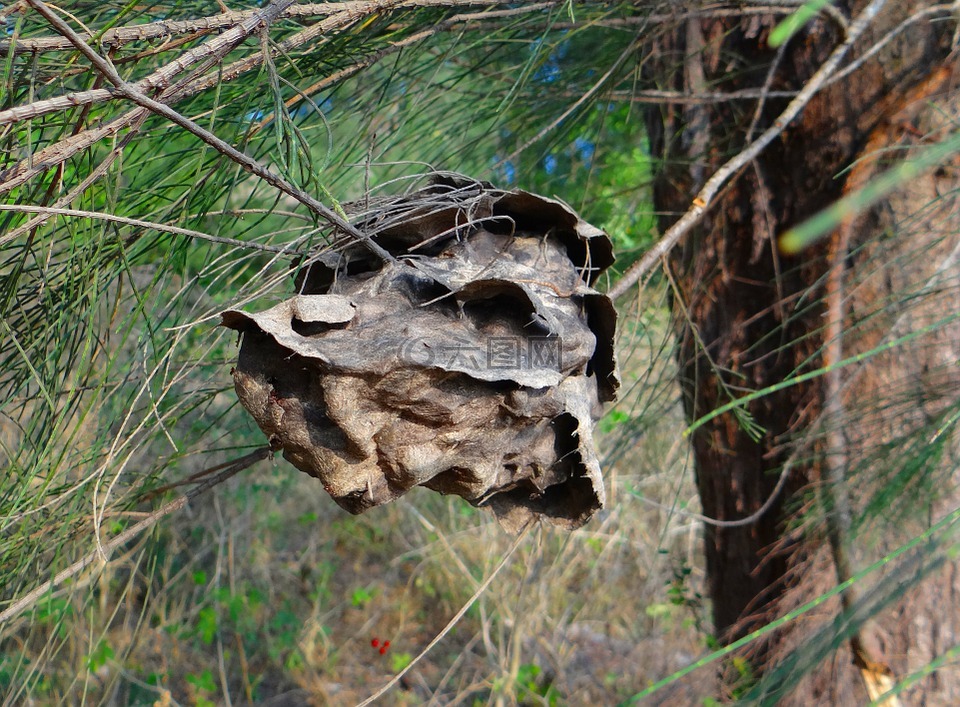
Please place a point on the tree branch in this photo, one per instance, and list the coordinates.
(150, 225)
(165, 29)
(704, 199)
(215, 48)
(248, 163)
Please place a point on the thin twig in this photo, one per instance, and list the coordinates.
(216, 48)
(766, 92)
(945, 8)
(833, 488)
(739, 522)
(165, 29)
(453, 622)
(25, 602)
(695, 118)
(657, 97)
(139, 223)
(192, 478)
(593, 90)
(669, 18)
(705, 197)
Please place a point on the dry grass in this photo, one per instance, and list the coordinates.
(264, 589)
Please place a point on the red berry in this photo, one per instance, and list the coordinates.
(383, 650)
(386, 644)
(375, 642)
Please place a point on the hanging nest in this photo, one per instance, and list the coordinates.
(474, 363)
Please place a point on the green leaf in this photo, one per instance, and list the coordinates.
(822, 224)
(207, 624)
(203, 682)
(399, 661)
(612, 420)
(99, 656)
(361, 596)
(792, 24)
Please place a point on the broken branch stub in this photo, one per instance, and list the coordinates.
(475, 364)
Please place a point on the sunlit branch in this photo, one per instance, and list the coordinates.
(245, 161)
(704, 199)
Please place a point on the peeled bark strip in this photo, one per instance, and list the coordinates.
(475, 364)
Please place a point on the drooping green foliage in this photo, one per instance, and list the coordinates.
(114, 378)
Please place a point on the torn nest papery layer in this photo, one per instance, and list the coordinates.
(475, 364)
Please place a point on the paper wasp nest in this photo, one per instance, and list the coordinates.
(474, 364)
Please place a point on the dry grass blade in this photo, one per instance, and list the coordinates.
(521, 536)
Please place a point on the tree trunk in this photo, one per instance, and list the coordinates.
(748, 317)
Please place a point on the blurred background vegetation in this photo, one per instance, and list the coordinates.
(115, 378)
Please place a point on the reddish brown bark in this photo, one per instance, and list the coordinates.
(747, 317)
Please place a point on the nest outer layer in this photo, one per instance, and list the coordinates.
(474, 364)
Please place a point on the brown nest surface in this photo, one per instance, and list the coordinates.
(473, 363)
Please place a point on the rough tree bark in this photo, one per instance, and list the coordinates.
(746, 316)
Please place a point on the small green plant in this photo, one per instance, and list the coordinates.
(307, 519)
(206, 625)
(399, 661)
(361, 596)
(681, 594)
(745, 676)
(531, 681)
(54, 612)
(612, 420)
(145, 692)
(284, 628)
(98, 657)
(203, 686)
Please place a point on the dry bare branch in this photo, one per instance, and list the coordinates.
(164, 29)
(248, 163)
(704, 199)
